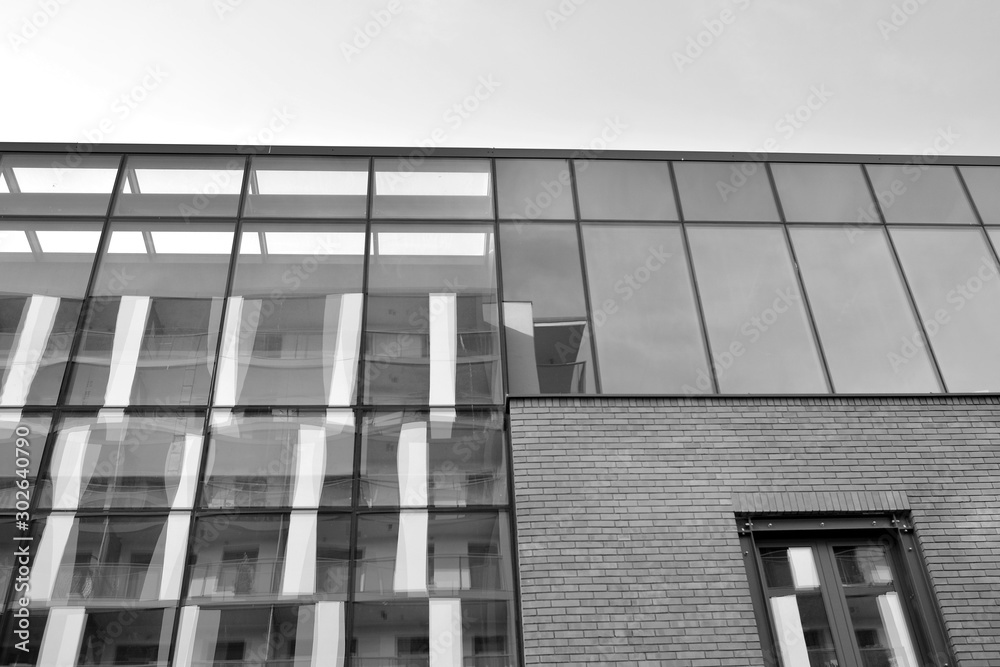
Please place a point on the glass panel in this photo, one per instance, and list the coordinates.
(44, 270)
(333, 556)
(984, 186)
(8, 533)
(262, 636)
(645, 318)
(11, 648)
(293, 324)
(238, 557)
(548, 339)
(415, 459)
(432, 335)
(57, 184)
(725, 191)
(279, 458)
(624, 190)
(151, 330)
(863, 566)
(296, 187)
(146, 642)
(396, 634)
(824, 193)
(920, 193)
(862, 311)
(534, 190)
(114, 460)
(25, 435)
(410, 188)
(954, 280)
(760, 336)
(181, 187)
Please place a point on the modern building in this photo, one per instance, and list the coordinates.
(493, 408)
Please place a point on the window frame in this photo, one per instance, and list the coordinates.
(823, 533)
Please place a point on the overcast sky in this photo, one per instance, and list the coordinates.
(839, 76)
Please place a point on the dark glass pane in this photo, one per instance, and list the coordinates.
(760, 336)
(333, 556)
(408, 188)
(645, 319)
(625, 190)
(953, 276)
(44, 269)
(534, 190)
(57, 184)
(147, 641)
(12, 650)
(25, 436)
(984, 186)
(861, 310)
(181, 187)
(261, 635)
(297, 187)
(920, 193)
(239, 557)
(824, 193)
(545, 313)
(880, 630)
(725, 191)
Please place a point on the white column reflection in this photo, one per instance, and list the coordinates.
(32, 338)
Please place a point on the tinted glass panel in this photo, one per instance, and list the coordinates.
(25, 435)
(920, 193)
(295, 187)
(725, 191)
(57, 184)
(862, 310)
(262, 635)
(333, 556)
(545, 313)
(146, 643)
(181, 187)
(432, 188)
(984, 185)
(534, 190)
(645, 320)
(625, 190)
(953, 276)
(238, 557)
(760, 337)
(824, 193)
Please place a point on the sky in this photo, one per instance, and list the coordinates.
(906, 77)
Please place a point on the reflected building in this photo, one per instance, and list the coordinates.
(303, 407)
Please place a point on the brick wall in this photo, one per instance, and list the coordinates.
(625, 514)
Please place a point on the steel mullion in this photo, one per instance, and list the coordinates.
(584, 276)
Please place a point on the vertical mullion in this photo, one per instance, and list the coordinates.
(968, 194)
(584, 276)
(836, 605)
(504, 380)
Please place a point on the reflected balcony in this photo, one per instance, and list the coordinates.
(241, 578)
(332, 575)
(446, 574)
(250, 491)
(109, 582)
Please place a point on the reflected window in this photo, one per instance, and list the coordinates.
(279, 458)
(984, 186)
(534, 190)
(180, 187)
(293, 322)
(118, 460)
(431, 331)
(545, 312)
(44, 270)
(646, 323)
(625, 190)
(862, 311)
(760, 336)
(151, 329)
(920, 193)
(25, 435)
(239, 557)
(57, 184)
(441, 189)
(824, 193)
(333, 556)
(725, 191)
(146, 643)
(297, 187)
(953, 276)
(444, 459)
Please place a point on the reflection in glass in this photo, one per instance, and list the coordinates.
(431, 334)
(180, 187)
(146, 643)
(293, 322)
(57, 184)
(238, 557)
(920, 193)
(432, 188)
(7, 563)
(25, 435)
(545, 312)
(279, 458)
(861, 311)
(824, 193)
(150, 331)
(333, 556)
(645, 319)
(44, 270)
(725, 191)
(953, 276)
(760, 337)
(437, 458)
(534, 190)
(625, 190)
(114, 460)
(299, 187)
(984, 186)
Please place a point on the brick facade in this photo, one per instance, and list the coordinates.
(628, 548)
